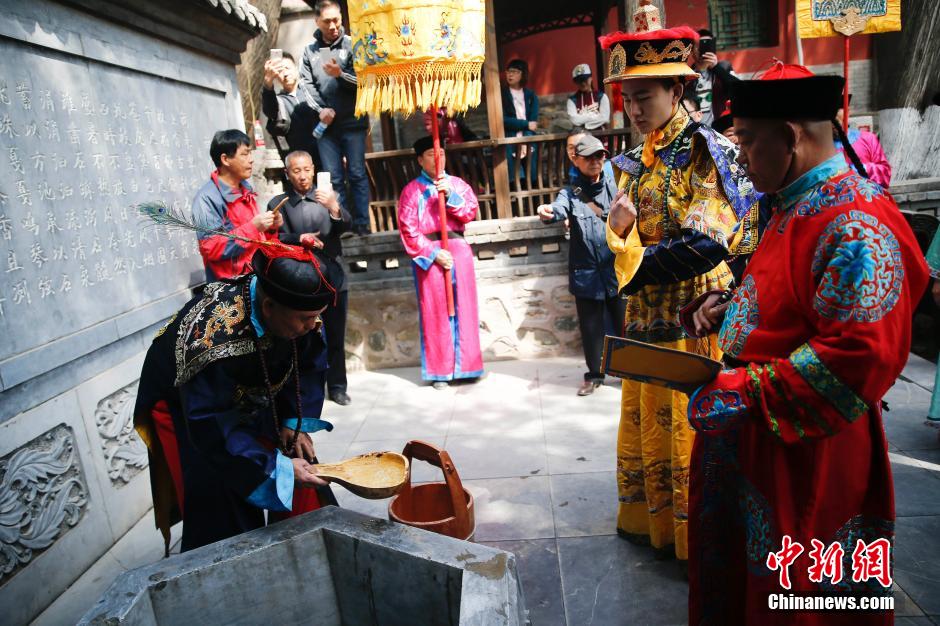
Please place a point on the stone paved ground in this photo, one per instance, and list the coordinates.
(540, 464)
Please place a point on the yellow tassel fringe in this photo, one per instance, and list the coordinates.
(415, 87)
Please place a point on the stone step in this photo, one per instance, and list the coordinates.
(141, 545)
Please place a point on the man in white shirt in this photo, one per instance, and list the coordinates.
(587, 107)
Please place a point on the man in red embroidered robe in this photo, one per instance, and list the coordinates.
(791, 449)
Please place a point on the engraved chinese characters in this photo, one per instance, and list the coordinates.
(80, 144)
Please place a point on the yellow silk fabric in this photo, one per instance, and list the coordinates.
(649, 147)
(655, 441)
(654, 446)
(411, 54)
(696, 200)
(810, 28)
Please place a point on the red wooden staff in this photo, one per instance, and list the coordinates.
(845, 93)
(442, 206)
(852, 18)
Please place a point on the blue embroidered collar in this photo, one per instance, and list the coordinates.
(828, 169)
(425, 178)
(255, 307)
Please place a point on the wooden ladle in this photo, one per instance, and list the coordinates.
(373, 476)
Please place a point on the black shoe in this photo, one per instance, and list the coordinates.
(634, 538)
(361, 229)
(666, 553)
(340, 397)
(588, 387)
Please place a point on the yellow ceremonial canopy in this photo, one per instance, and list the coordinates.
(412, 54)
(829, 18)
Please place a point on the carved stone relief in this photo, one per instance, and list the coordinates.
(125, 454)
(43, 494)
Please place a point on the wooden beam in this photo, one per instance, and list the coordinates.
(599, 56)
(389, 140)
(494, 114)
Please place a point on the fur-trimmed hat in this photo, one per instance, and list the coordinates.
(650, 52)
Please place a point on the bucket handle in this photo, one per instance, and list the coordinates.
(424, 451)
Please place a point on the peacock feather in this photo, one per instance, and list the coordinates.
(168, 217)
(162, 215)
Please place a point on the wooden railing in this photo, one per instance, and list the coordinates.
(534, 180)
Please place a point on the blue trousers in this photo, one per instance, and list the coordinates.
(335, 144)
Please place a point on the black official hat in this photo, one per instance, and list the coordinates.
(296, 284)
(788, 92)
(423, 144)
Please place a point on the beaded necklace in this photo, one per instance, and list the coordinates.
(289, 449)
(670, 161)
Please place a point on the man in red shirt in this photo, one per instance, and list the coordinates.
(228, 203)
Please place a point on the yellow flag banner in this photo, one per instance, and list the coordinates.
(411, 54)
(829, 18)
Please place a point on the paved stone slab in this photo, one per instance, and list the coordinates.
(916, 566)
(541, 579)
(506, 400)
(346, 424)
(927, 458)
(413, 416)
(499, 412)
(608, 581)
(916, 490)
(584, 504)
(512, 508)
(515, 454)
(579, 450)
(921, 371)
(904, 423)
(914, 621)
(328, 451)
(142, 545)
(562, 408)
(904, 606)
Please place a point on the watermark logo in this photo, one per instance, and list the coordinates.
(870, 561)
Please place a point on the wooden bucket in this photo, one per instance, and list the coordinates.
(445, 508)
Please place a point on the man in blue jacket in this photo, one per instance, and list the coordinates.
(329, 81)
(585, 203)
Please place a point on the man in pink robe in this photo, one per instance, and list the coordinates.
(450, 346)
